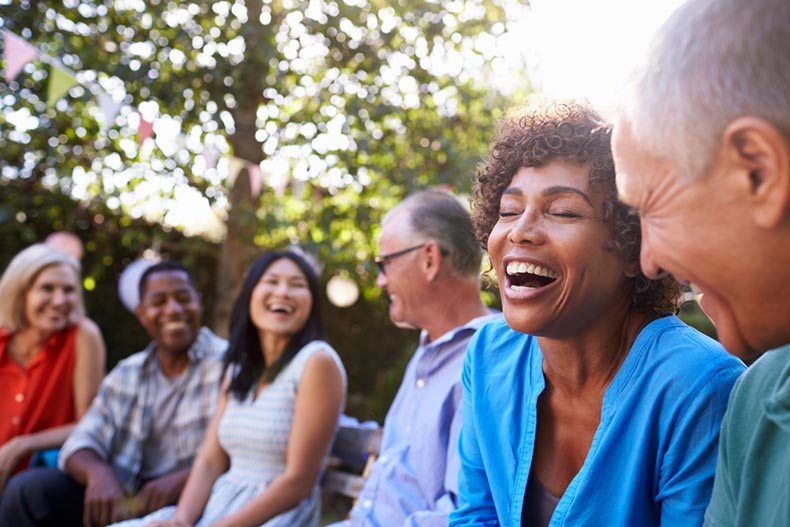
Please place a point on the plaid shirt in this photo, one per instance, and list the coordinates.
(120, 418)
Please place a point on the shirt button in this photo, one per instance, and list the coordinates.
(20, 397)
(420, 383)
(14, 420)
(383, 460)
(408, 429)
(367, 504)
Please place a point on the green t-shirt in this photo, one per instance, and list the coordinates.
(752, 484)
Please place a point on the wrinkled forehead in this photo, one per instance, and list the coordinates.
(632, 164)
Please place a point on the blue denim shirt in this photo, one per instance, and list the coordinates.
(414, 480)
(652, 458)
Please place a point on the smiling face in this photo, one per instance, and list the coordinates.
(170, 311)
(549, 250)
(51, 298)
(402, 280)
(281, 301)
(689, 229)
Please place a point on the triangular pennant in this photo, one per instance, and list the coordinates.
(256, 177)
(60, 82)
(210, 155)
(235, 165)
(109, 107)
(17, 53)
(145, 130)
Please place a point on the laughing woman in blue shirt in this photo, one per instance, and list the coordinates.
(591, 404)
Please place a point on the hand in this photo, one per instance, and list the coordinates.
(10, 454)
(160, 492)
(104, 499)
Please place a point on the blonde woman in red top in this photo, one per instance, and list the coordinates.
(51, 358)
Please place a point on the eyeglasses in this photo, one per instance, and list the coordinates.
(384, 259)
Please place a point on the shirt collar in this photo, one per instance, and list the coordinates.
(196, 351)
(473, 325)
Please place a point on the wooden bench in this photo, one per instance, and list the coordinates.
(353, 454)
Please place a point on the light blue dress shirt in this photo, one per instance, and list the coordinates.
(414, 480)
(652, 458)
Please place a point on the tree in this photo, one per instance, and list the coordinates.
(348, 105)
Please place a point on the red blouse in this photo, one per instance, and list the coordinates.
(39, 396)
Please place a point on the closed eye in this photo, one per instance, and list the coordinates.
(508, 214)
(566, 214)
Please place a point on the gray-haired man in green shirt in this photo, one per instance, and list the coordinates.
(702, 151)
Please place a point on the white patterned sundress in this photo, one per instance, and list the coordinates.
(254, 433)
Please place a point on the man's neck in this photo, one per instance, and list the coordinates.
(173, 363)
(454, 305)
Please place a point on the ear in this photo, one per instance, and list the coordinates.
(761, 155)
(139, 310)
(432, 260)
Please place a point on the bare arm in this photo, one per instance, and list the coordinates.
(316, 410)
(211, 463)
(16, 448)
(103, 494)
(89, 367)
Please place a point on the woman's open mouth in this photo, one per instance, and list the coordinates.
(522, 276)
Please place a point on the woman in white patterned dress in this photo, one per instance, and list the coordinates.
(277, 412)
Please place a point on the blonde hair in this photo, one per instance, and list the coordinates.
(19, 277)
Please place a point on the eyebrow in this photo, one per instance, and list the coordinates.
(551, 191)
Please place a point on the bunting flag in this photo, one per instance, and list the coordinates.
(256, 177)
(17, 53)
(210, 156)
(109, 107)
(235, 165)
(60, 82)
(254, 172)
(145, 130)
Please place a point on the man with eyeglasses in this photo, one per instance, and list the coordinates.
(429, 266)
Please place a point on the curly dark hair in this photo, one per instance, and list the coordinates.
(544, 131)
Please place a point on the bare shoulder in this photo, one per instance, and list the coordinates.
(88, 329)
(324, 357)
(322, 365)
(89, 338)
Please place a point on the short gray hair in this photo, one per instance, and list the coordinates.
(710, 63)
(20, 275)
(439, 216)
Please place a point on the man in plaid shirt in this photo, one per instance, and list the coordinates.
(131, 452)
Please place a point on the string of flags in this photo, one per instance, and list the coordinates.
(18, 52)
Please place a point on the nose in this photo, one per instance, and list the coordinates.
(58, 297)
(647, 260)
(527, 229)
(282, 289)
(172, 305)
(381, 280)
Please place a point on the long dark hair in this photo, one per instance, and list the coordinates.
(244, 351)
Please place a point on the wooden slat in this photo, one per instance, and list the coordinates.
(342, 483)
(353, 453)
(353, 446)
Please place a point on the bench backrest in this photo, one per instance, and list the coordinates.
(353, 453)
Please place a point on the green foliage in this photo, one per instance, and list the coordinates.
(348, 105)
(359, 103)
